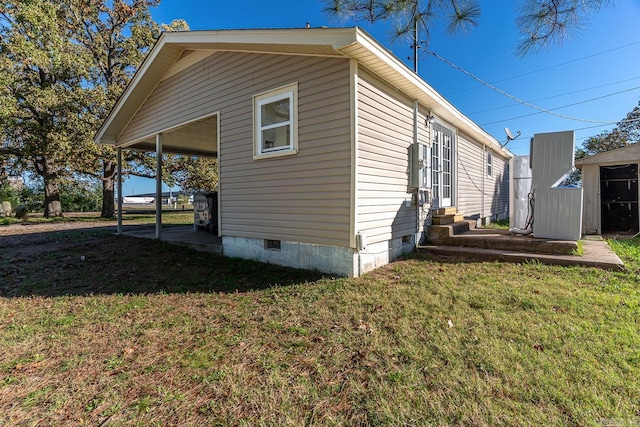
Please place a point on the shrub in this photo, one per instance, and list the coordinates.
(81, 197)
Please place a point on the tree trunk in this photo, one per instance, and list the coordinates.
(52, 205)
(108, 193)
(47, 170)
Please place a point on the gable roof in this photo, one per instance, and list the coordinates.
(628, 154)
(175, 47)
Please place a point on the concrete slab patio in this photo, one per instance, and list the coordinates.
(181, 235)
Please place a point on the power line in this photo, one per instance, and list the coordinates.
(564, 106)
(577, 129)
(591, 127)
(550, 67)
(557, 96)
(528, 138)
(528, 104)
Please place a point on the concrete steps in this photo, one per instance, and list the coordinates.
(464, 234)
(442, 216)
(596, 254)
(451, 235)
(447, 219)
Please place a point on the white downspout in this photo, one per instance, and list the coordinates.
(356, 239)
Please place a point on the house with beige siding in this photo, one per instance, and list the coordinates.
(331, 152)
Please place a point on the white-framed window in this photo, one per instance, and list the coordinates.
(275, 122)
(489, 164)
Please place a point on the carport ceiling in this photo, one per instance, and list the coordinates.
(198, 138)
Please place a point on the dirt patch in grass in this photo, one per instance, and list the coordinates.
(86, 258)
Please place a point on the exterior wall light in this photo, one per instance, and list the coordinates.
(430, 120)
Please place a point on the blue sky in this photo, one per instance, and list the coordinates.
(597, 72)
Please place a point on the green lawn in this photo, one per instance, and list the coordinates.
(143, 333)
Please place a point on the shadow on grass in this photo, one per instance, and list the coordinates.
(94, 262)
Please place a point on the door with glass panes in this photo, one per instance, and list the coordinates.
(442, 166)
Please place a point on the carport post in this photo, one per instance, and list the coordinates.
(158, 186)
(119, 169)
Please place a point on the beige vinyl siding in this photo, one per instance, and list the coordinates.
(471, 172)
(385, 130)
(300, 198)
(475, 187)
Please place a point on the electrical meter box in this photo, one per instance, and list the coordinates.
(419, 166)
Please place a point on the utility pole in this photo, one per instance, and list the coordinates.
(415, 45)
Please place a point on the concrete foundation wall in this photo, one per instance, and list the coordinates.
(327, 259)
(381, 253)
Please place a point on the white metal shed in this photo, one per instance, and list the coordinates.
(611, 192)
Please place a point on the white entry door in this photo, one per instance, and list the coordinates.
(442, 166)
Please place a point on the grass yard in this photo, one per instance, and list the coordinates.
(143, 333)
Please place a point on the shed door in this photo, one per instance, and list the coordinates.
(442, 166)
(619, 198)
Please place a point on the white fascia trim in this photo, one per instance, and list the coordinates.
(273, 52)
(299, 36)
(146, 64)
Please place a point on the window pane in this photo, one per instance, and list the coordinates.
(277, 137)
(275, 112)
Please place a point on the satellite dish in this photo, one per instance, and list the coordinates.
(510, 136)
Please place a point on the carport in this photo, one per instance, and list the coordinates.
(130, 126)
(196, 138)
